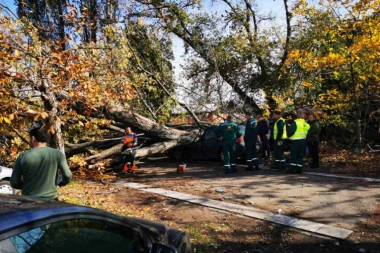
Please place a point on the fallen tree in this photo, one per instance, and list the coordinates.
(161, 138)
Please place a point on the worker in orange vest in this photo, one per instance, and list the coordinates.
(129, 142)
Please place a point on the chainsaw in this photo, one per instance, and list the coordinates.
(129, 151)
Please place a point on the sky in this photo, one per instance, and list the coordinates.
(9, 4)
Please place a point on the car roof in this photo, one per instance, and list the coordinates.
(18, 211)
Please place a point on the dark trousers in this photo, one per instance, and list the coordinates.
(297, 153)
(130, 158)
(278, 155)
(265, 145)
(229, 153)
(314, 152)
(250, 151)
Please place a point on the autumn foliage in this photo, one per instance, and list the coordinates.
(326, 59)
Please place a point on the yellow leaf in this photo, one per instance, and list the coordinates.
(44, 115)
(7, 120)
(36, 117)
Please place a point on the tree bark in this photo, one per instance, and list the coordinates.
(150, 128)
(154, 149)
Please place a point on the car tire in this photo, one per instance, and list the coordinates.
(6, 188)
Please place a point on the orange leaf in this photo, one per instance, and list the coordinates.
(51, 130)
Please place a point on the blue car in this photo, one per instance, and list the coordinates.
(30, 225)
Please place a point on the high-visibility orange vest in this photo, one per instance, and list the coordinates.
(128, 138)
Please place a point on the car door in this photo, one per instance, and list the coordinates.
(210, 145)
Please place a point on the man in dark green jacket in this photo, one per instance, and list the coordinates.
(36, 171)
(279, 136)
(228, 132)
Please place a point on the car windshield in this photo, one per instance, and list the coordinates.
(79, 235)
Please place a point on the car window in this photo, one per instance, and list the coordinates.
(242, 128)
(79, 235)
(210, 134)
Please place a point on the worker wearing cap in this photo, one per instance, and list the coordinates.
(228, 132)
(297, 134)
(279, 136)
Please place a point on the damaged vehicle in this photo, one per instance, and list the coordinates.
(31, 225)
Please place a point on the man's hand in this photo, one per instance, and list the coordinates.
(279, 143)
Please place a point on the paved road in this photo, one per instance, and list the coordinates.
(338, 202)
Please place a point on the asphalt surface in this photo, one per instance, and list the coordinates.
(340, 202)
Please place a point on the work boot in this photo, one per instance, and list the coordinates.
(132, 169)
(275, 166)
(233, 169)
(250, 166)
(292, 170)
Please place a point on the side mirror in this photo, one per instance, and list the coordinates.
(163, 248)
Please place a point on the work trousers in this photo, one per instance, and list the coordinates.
(314, 152)
(265, 146)
(297, 153)
(278, 155)
(130, 158)
(250, 151)
(229, 153)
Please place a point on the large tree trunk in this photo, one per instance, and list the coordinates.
(165, 138)
(149, 127)
(154, 149)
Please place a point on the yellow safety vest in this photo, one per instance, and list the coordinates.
(275, 130)
(301, 131)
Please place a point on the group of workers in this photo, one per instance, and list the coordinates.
(303, 132)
